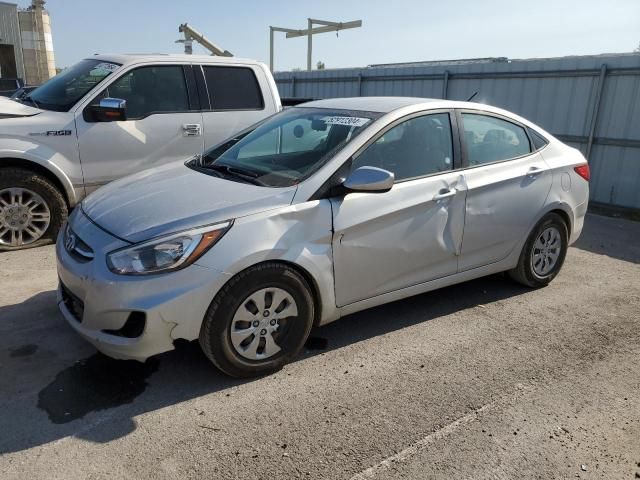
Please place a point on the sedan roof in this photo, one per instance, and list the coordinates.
(390, 104)
(369, 104)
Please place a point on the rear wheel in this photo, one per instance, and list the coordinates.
(259, 321)
(543, 254)
(32, 210)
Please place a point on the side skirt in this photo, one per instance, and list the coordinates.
(483, 271)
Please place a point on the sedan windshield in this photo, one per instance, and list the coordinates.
(65, 89)
(286, 148)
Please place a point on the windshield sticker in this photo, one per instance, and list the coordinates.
(349, 121)
(103, 69)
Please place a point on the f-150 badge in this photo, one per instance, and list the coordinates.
(51, 133)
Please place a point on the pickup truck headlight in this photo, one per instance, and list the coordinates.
(166, 253)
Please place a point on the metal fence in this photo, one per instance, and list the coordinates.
(590, 102)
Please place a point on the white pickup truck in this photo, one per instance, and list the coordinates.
(112, 115)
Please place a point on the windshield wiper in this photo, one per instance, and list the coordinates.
(196, 160)
(33, 102)
(243, 174)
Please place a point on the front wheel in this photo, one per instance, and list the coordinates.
(543, 253)
(259, 321)
(32, 210)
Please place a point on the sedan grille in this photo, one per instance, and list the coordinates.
(76, 247)
(72, 302)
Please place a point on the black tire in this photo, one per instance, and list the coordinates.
(524, 272)
(20, 177)
(215, 338)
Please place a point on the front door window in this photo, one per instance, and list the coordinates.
(414, 148)
(149, 90)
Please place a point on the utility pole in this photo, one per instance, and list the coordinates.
(326, 26)
(309, 43)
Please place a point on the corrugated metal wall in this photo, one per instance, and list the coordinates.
(591, 102)
(10, 32)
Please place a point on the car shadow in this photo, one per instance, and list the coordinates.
(55, 385)
(615, 237)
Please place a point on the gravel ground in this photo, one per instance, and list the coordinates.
(481, 380)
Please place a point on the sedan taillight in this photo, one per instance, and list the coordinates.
(583, 171)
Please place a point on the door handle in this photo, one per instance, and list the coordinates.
(442, 194)
(535, 171)
(192, 129)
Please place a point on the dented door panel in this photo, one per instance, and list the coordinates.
(385, 242)
(503, 201)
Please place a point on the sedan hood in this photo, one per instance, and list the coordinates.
(16, 109)
(173, 198)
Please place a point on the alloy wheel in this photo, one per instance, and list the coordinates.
(24, 217)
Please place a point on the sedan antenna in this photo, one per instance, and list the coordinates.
(471, 97)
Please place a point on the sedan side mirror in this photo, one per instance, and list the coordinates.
(369, 179)
(109, 110)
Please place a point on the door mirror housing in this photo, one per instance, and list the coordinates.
(369, 179)
(109, 110)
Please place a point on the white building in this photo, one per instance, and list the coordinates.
(26, 47)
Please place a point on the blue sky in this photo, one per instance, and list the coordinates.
(393, 30)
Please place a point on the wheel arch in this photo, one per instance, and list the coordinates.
(308, 277)
(565, 216)
(564, 212)
(57, 177)
(560, 208)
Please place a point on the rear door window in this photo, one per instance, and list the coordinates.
(490, 139)
(233, 88)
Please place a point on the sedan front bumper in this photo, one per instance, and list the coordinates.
(98, 303)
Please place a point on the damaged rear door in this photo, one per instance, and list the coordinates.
(413, 233)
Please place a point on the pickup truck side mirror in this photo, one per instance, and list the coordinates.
(369, 179)
(109, 110)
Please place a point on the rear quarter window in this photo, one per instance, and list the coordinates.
(233, 88)
(538, 141)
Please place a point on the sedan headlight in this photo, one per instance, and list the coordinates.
(166, 253)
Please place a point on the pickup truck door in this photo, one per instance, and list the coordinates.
(163, 124)
(233, 97)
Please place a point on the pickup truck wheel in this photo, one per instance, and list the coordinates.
(32, 210)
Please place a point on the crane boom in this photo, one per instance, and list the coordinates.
(191, 33)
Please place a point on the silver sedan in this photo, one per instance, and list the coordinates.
(320, 211)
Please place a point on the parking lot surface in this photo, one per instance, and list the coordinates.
(485, 379)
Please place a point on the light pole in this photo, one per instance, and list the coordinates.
(326, 26)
